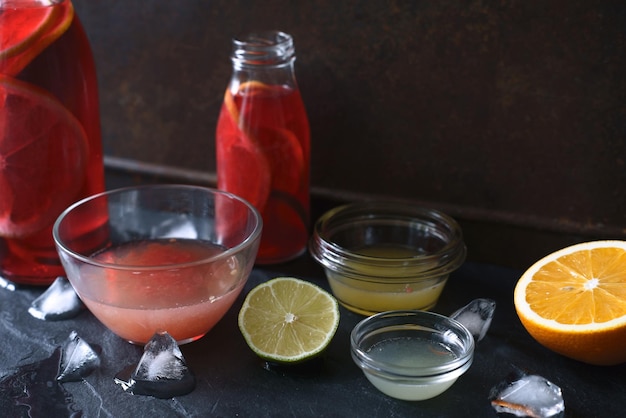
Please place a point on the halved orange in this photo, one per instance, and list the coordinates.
(26, 31)
(573, 301)
(43, 157)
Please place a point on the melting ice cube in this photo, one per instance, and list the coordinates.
(476, 316)
(527, 395)
(78, 359)
(161, 371)
(58, 302)
(177, 227)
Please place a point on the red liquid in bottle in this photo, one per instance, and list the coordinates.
(50, 145)
(263, 146)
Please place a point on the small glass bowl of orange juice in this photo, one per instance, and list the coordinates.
(412, 355)
(159, 258)
(384, 256)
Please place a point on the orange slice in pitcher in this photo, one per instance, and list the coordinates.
(43, 151)
(26, 31)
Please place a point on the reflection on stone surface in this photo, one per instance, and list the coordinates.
(33, 391)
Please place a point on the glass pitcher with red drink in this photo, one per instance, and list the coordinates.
(263, 142)
(50, 144)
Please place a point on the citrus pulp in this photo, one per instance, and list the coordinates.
(288, 320)
(573, 301)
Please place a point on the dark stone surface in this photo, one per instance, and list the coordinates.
(232, 381)
(508, 110)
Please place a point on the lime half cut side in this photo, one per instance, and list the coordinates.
(288, 320)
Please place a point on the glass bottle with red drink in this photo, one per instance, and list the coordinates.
(50, 144)
(263, 142)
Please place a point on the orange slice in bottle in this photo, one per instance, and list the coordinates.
(279, 146)
(26, 31)
(284, 154)
(250, 178)
(43, 154)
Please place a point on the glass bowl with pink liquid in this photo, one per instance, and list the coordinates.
(157, 258)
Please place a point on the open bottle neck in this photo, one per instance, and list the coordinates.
(269, 49)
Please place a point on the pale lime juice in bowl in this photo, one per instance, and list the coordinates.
(412, 355)
(159, 258)
(382, 256)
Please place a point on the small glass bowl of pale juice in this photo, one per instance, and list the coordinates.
(412, 355)
(160, 258)
(383, 256)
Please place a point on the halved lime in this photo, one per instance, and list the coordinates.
(288, 320)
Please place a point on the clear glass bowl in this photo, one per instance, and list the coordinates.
(412, 355)
(159, 258)
(383, 256)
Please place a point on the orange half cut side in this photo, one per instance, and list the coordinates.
(573, 301)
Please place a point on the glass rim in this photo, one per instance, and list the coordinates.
(263, 48)
(341, 259)
(249, 240)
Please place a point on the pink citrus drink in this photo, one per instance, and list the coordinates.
(263, 145)
(263, 142)
(140, 294)
(50, 145)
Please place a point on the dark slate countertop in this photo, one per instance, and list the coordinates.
(233, 382)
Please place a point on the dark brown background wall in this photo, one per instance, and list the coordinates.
(506, 113)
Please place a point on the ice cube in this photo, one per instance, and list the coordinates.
(78, 359)
(476, 316)
(527, 395)
(161, 371)
(175, 227)
(58, 302)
